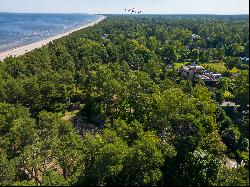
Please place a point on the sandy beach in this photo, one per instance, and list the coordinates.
(27, 48)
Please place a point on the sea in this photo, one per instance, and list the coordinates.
(18, 29)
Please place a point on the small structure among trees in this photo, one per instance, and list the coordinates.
(195, 73)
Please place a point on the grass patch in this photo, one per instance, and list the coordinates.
(217, 67)
(180, 64)
(234, 70)
(77, 90)
(69, 115)
(228, 95)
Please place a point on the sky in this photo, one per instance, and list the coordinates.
(118, 6)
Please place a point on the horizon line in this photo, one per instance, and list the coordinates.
(219, 14)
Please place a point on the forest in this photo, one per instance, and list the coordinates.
(106, 106)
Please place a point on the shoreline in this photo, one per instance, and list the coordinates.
(29, 47)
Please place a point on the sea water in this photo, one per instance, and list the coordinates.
(18, 29)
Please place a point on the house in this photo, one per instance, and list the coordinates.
(195, 36)
(229, 104)
(195, 73)
(244, 60)
(105, 36)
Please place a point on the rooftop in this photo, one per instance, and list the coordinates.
(202, 73)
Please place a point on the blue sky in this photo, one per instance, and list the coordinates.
(118, 6)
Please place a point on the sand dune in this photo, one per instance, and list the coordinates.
(26, 48)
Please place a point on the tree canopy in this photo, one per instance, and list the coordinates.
(104, 106)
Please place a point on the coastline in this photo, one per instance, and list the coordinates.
(29, 47)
